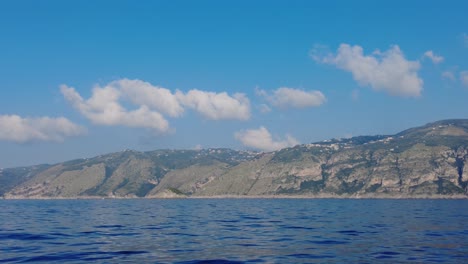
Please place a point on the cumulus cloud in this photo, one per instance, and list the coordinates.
(262, 139)
(448, 75)
(216, 106)
(433, 57)
(464, 78)
(285, 97)
(103, 108)
(154, 97)
(389, 71)
(152, 103)
(21, 130)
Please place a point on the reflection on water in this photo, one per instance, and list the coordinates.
(234, 231)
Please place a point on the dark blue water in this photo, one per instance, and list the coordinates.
(234, 231)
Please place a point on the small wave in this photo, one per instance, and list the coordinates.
(25, 236)
(350, 232)
(109, 226)
(247, 245)
(310, 256)
(392, 253)
(211, 261)
(385, 254)
(129, 252)
(282, 239)
(182, 234)
(247, 217)
(328, 242)
(433, 234)
(297, 227)
(84, 256)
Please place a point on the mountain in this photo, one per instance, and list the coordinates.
(422, 162)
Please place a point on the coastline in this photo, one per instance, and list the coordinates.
(323, 196)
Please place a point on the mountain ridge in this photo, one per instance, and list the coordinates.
(421, 162)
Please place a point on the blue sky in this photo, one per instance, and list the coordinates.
(82, 78)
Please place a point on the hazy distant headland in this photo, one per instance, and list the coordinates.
(422, 162)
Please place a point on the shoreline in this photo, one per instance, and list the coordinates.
(195, 197)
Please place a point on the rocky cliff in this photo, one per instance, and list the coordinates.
(427, 161)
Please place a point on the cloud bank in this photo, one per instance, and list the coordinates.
(387, 71)
(152, 103)
(21, 130)
(262, 139)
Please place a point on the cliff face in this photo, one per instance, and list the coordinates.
(428, 161)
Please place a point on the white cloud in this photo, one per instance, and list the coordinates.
(154, 97)
(448, 75)
(434, 58)
(285, 97)
(464, 78)
(264, 108)
(263, 140)
(151, 103)
(388, 71)
(260, 92)
(18, 129)
(216, 106)
(103, 108)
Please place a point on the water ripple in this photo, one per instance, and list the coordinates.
(234, 231)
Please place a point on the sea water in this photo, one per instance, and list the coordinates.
(234, 231)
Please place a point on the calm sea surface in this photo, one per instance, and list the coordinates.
(234, 231)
